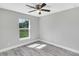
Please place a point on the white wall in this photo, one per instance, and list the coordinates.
(9, 28)
(61, 28)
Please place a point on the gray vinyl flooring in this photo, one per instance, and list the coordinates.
(49, 50)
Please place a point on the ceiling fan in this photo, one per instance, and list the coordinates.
(38, 7)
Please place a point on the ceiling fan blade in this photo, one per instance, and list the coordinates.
(45, 10)
(43, 5)
(31, 6)
(31, 11)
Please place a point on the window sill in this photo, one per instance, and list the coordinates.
(21, 39)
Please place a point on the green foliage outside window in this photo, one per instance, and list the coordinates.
(24, 28)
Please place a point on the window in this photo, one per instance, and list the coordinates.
(24, 28)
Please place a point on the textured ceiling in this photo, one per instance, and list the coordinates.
(54, 7)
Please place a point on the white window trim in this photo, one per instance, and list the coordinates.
(25, 38)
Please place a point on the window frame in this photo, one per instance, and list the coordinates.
(25, 38)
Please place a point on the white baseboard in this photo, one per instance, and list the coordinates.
(61, 46)
(9, 48)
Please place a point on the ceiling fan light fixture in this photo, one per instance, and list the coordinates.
(39, 12)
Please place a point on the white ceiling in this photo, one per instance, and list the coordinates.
(54, 7)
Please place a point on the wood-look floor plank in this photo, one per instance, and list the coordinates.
(49, 50)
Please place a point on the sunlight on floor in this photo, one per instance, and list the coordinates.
(33, 45)
(41, 46)
(37, 46)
